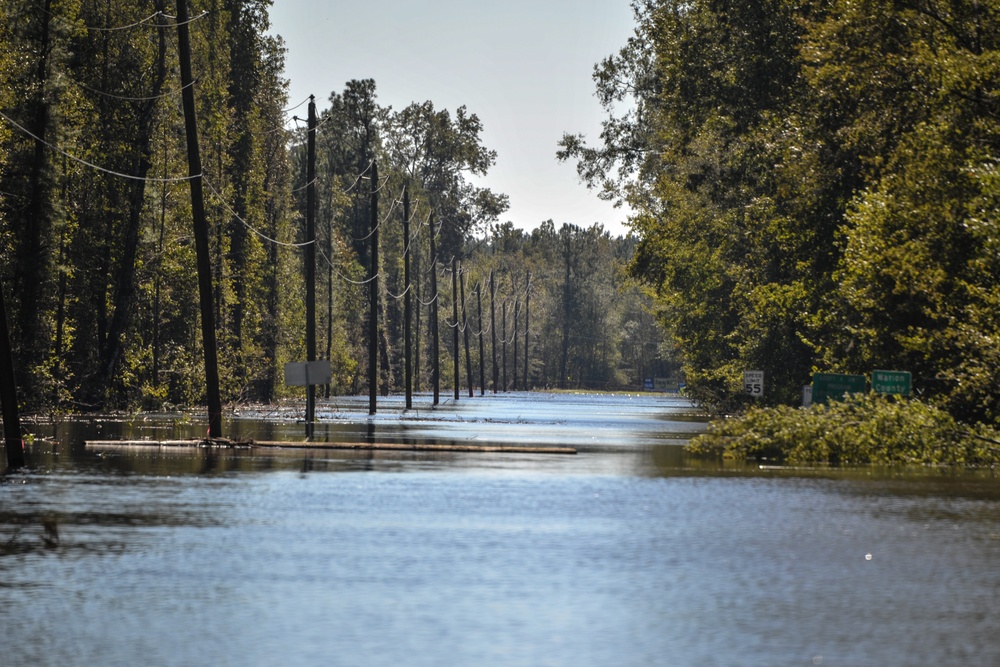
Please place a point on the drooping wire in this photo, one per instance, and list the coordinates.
(126, 27)
(141, 22)
(300, 189)
(399, 297)
(342, 276)
(127, 98)
(250, 227)
(147, 179)
(395, 202)
(174, 18)
(359, 177)
(433, 300)
(356, 181)
(290, 109)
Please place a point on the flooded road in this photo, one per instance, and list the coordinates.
(624, 554)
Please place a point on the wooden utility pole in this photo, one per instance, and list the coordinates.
(527, 305)
(517, 307)
(417, 291)
(493, 330)
(310, 259)
(482, 355)
(435, 332)
(454, 319)
(503, 343)
(8, 396)
(564, 363)
(465, 330)
(407, 304)
(373, 299)
(214, 399)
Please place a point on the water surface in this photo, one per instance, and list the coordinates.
(624, 554)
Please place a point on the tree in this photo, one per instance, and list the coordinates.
(812, 184)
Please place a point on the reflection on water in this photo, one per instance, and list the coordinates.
(625, 554)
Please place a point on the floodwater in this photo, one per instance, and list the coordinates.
(626, 553)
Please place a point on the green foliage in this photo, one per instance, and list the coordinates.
(863, 429)
(98, 258)
(590, 326)
(815, 188)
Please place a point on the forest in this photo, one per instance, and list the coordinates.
(816, 188)
(98, 252)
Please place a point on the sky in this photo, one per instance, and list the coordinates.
(523, 66)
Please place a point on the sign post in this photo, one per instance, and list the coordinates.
(307, 374)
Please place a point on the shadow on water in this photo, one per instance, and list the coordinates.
(640, 435)
(624, 427)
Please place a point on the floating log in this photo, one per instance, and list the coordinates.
(222, 443)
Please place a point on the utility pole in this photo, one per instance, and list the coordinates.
(8, 396)
(503, 342)
(517, 308)
(407, 305)
(465, 331)
(527, 304)
(563, 380)
(417, 291)
(435, 332)
(454, 318)
(493, 329)
(373, 299)
(482, 355)
(200, 226)
(310, 259)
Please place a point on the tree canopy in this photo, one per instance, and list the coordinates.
(97, 258)
(815, 189)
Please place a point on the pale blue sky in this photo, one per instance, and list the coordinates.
(523, 66)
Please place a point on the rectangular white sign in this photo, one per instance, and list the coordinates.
(305, 373)
(753, 383)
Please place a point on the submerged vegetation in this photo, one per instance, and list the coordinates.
(862, 429)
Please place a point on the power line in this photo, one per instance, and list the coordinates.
(246, 224)
(174, 18)
(342, 276)
(127, 98)
(360, 177)
(124, 27)
(140, 22)
(284, 111)
(384, 219)
(133, 177)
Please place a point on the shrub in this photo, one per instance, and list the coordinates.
(863, 429)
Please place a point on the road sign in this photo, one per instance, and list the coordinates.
(305, 373)
(835, 385)
(753, 383)
(892, 382)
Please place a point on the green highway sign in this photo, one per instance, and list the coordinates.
(892, 382)
(828, 386)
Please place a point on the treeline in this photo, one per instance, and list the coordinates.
(97, 259)
(97, 251)
(558, 300)
(816, 187)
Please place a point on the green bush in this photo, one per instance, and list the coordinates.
(863, 429)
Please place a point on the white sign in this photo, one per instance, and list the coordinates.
(753, 383)
(305, 373)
